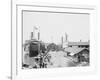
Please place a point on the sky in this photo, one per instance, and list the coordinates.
(53, 26)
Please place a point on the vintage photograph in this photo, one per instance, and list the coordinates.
(55, 39)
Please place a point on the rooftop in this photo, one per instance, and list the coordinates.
(74, 50)
(78, 43)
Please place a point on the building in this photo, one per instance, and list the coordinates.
(83, 55)
(66, 43)
(78, 44)
(79, 50)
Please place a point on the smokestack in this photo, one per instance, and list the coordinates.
(31, 35)
(66, 37)
(62, 40)
(38, 35)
